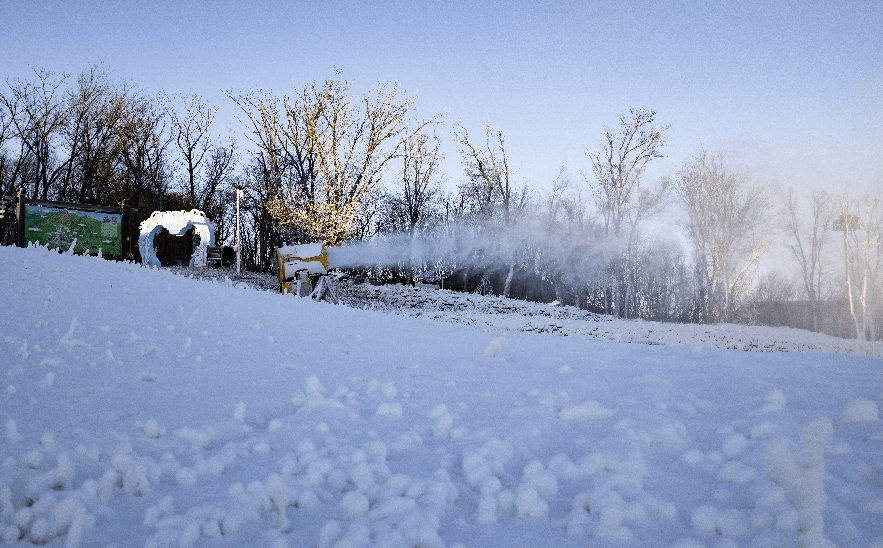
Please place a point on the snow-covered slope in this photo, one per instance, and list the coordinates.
(498, 315)
(504, 315)
(142, 408)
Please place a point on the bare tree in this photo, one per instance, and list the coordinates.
(262, 233)
(563, 224)
(6, 128)
(216, 191)
(566, 203)
(38, 114)
(10, 166)
(727, 223)
(487, 169)
(807, 245)
(773, 286)
(81, 101)
(14, 170)
(621, 199)
(97, 107)
(870, 253)
(143, 153)
(649, 202)
(419, 182)
(619, 166)
(5, 124)
(191, 122)
(414, 203)
(264, 121)
(489, 186)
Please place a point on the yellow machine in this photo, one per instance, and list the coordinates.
(297, 263)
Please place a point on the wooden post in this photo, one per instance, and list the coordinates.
(20, 220)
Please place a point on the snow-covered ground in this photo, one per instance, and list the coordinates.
(497, 314)
(143, 408)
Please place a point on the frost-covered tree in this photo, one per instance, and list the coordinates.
(328, 150)
(863, 258)
(617, 168)
(808, 244)
(727, 222)
(622, 201)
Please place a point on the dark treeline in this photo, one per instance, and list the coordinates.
(91, 139)
(362, 174)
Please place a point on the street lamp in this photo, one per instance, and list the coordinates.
(238, 196)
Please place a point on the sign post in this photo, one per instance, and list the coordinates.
(238, 196)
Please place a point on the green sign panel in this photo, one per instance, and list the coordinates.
(58, 228)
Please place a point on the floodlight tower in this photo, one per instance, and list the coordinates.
(845, 224)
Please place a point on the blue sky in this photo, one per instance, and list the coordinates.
(791, 92)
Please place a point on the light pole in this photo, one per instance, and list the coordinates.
(238, 196)
(845, 224)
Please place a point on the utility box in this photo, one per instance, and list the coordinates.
(220, 256)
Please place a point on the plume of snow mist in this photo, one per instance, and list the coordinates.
(576, 256)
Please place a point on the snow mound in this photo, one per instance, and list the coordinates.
(860, 410)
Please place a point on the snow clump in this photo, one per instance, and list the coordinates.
(12, 435)
(860, 410)
(153, 429)
(495, 347)
(727, 523)
(590, 410)
(803, 479)
(389, 409)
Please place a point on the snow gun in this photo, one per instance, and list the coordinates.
(300, 266)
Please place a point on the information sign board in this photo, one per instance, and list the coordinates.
(59, 227)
